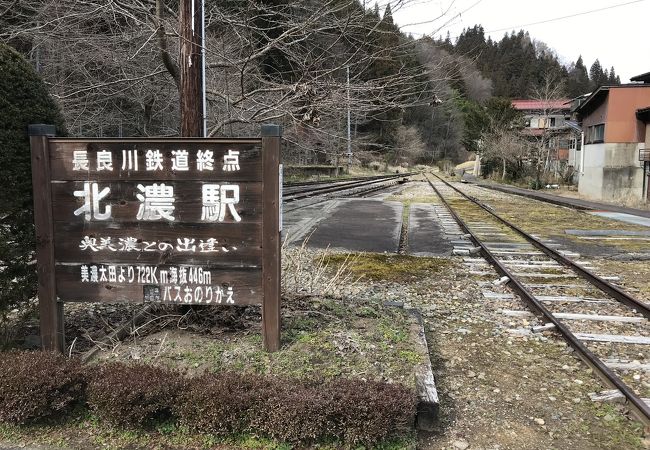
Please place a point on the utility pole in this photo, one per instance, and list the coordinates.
(349, 133)
(204, 94)
(191, 69)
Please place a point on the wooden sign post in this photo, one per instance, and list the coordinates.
(177, 221)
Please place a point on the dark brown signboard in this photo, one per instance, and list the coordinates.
(178, 221)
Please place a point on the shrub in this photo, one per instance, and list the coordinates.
(369, 412)
(133, 395)
(23, 100)
(294, 412)
(219, 403)
(37, 385)
(297, 411)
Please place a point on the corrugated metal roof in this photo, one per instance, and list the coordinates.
(644, 77)
(538, 105)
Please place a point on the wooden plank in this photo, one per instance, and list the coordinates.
(499, 295)
(575, 316)
(122, 155)
(271, 265)
(159, 243)
(149, 283)
(51, 311)
(425, 383)
(627, 365)
(616, 338)
(518, 253)
(572, 299)
(545, 275)
(611, 395)
(125, 205)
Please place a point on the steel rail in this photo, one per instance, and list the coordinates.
(339, 187)
(639, 407)
(291, 189)
(291, 184)
(591, 277)
(360, 191)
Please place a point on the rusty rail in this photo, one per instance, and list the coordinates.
(639, 407)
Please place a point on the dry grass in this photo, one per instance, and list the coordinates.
(300, 276)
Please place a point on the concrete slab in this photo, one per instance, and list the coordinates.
(623, 217)
(366, 225)
(425, 235)
(297, 223)
(596, 233)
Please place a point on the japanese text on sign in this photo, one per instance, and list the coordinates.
(157, 200)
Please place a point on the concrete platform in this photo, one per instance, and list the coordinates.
(425, 235)
(567, 201)
(623, 217)
(365, 225)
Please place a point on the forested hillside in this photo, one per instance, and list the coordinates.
(113, 67)
(517, 63)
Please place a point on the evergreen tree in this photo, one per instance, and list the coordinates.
(24, 100)
(471, 42)
(613, 80)
(596, 75)
(578, 80)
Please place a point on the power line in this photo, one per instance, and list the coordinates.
(555, 19)
(566, 17)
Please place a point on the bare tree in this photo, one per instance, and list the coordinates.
(506, 145)
(113, 64)
(410, 146)
(547, 93)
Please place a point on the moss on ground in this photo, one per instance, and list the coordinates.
(546, 220)
(321, 338)
(634, 274)
(391, 267)
(86, 431)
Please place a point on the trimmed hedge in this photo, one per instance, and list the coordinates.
(133, 395)
(35, 385)
(220, 403)
(353, 411)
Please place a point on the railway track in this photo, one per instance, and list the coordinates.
(364, 186)
(606, 326)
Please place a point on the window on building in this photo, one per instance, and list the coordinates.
(595, 134)
(551, 122)
(572, 143)
(599, 133)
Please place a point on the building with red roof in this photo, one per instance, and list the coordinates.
(547, 123)
(615, 126)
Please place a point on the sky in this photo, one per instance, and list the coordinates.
(617, 36)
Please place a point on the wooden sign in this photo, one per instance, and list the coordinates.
(177, 221)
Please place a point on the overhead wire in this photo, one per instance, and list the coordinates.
(567, 16)
(540, 22)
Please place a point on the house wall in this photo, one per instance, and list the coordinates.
(611, 172)
(597, 117)
(646, 193)
(622, 124)
(590, 183)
